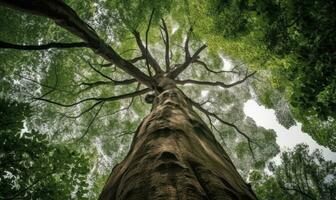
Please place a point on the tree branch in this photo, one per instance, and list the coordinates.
(55, 84)
(166, 42)
(206, 112)
(179, 69)
(147, 33)
(112, 82)
(113, 98)
(186, 45)
(217, 83)
(212, 71)
(7, 45)
(66, 17)
(85, 111)
(91, 122)
(145, 52)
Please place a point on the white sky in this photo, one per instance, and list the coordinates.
(286, 138)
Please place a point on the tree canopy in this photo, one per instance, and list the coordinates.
(301, 175)
(84, 69)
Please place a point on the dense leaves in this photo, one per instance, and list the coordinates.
(33, 168)
(301, 175)
(293, 41)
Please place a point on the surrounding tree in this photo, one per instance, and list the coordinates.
(33, 168)
(292, 42)
(301, 175)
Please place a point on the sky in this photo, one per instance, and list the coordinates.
(286, 138)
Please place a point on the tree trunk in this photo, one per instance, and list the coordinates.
(174, 155)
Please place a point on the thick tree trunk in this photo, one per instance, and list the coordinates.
(174, 155)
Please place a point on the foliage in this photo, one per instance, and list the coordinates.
(292, 41)
(301, 175)
(33, 168)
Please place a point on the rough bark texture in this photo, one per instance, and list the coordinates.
(174, 155)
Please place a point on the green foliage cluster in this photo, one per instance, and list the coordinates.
(293, 42)
(33, 168)
(301, 175)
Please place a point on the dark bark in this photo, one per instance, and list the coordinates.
(174, 155)
(7, 45)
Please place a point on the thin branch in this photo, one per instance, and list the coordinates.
(85, 111)
(217, 83)
(212, 71)
(206, 112)
(186, 45)
(90, 123)
(132, 100)
(96, 70)
(55, 84)
(147, 52)
(166, 42)
(111, 83)
(7, 45)
(113, 98)
(67, 18)
(136, 59)
(124, 133)
(179, 69)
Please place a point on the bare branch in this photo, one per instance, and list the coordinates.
(7, 45)
(90, 123)
(55, 84)
(151, 61)
(186, 45)
(66, 17)
(147, 52)
(113, 98)
(85, 111)
(206, 112)
(132, 100)
(212, 71)
(96, 70)
(217, 83)
(136, 59)
(179, 69)
(112, 83)
(166, 42)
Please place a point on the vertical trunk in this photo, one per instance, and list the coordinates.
(174, 155)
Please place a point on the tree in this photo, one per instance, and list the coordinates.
(291, 42)
(173, 145)
(301, 175)
(31, 167)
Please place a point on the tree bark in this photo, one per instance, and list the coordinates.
(174, 155)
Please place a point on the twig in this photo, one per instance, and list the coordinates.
(90, 123)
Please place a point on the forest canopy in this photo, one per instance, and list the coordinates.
(78, 77)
